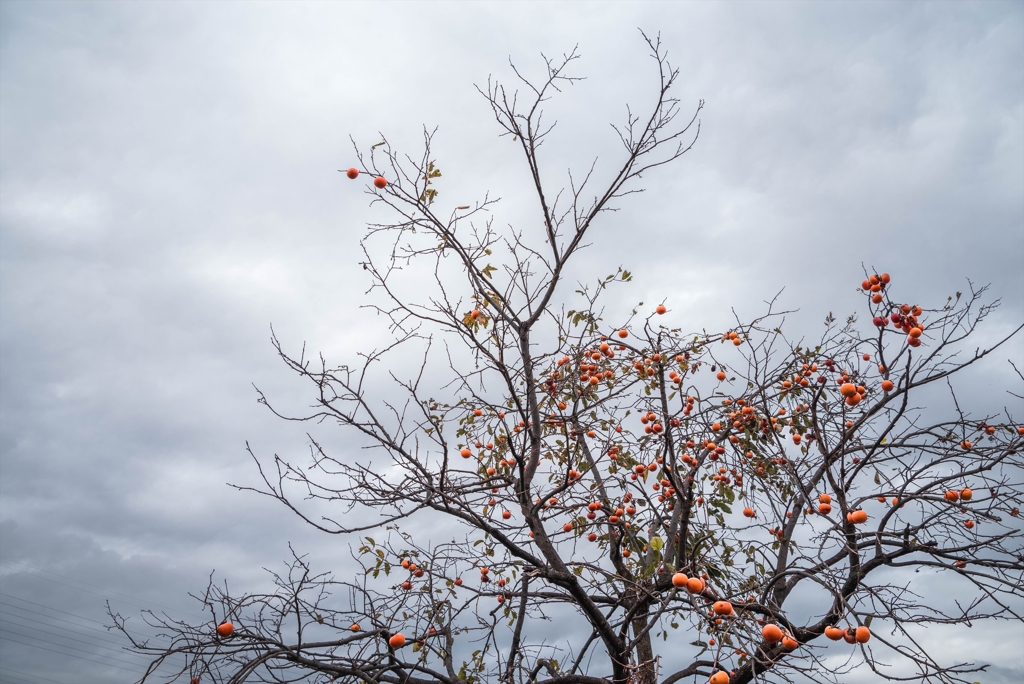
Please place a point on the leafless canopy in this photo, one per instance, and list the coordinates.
(573, 470)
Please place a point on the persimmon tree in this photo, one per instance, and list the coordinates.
(549, 495)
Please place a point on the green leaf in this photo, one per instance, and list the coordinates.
(656, 543)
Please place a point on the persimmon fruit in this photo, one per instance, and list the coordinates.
(833, 633)
(722, 608)
(225, 629)
(789, 643)
(720, 677)
(380, 182)
(352, 173)
(695, 585)
(397, 640)
(772, 634)
(862, 634)
(679, 580)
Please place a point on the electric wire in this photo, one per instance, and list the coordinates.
(26, 674)
(61, 636)
(72, 648)
(22, 617)
(139, 603)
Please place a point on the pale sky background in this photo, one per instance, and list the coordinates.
(169, 188)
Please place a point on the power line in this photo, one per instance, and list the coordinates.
(61, 636)
(140, 603)
(6, 679)
(60, 611)
(26, 674)
(69, 655)
(57, 610)
(49, 617)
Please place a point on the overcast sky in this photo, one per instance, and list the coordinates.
(169, 189)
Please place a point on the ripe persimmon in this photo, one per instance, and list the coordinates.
(789, 643)
(722, 608)
(824, 509)
(862, 634)
(466, 453)
(623, 334)
(721, 376)
(397, 640)
(824, 498)
(381, 182)
(847, 389)
(695, 585)
(679, 580)
(966, 494)
(506, 514)
(772, 634)
(352, 173)
(952, 496)
(887, 385)
(225, 629)
(720, 677)
(859, 516)
(660, 309)
(969, 524)
(355, 627)
(833, 633)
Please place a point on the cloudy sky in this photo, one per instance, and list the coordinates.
(169, 189)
